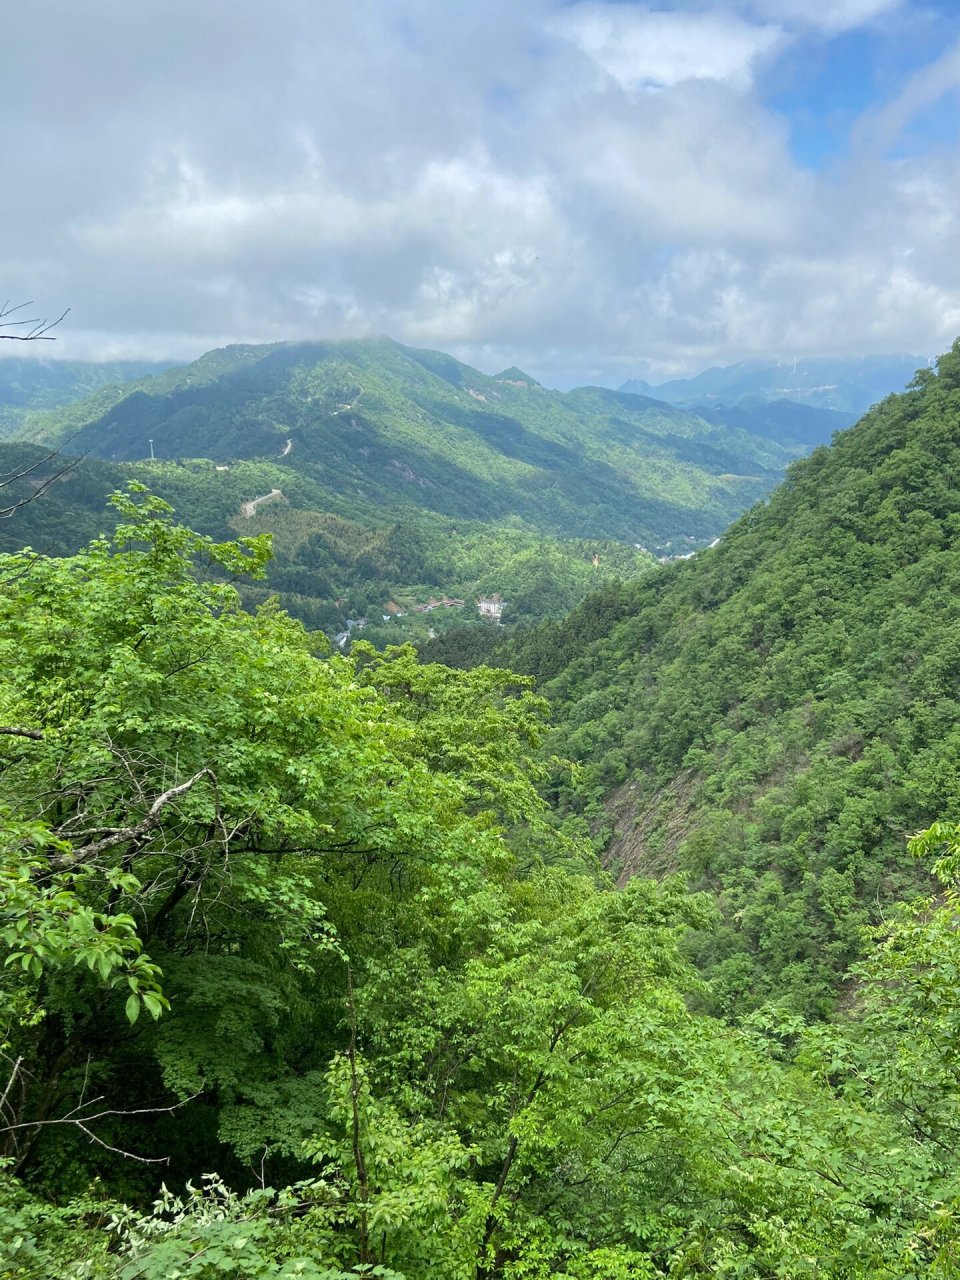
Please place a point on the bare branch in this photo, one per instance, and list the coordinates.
(10, 1083)
(29, 558)
(119, 1151)
(41, 489)
(18, 475)
(122, 835)
(36, 329)
(43, 486)
(14, 732)
(82, 1122)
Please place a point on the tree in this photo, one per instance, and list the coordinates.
(293, 918)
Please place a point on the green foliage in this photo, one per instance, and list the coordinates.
(397, 1007)
(907, 1044)
(47, 923)
(479, 727)
(328, 567)
(405, 477)
(775, 716)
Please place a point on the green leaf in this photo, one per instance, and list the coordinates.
(153, 1005)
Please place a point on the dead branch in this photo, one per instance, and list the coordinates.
(35, 329)
(124, 835)
(43, 486)
(35, 465)
(10, 1083)
(84, 1120)
(14, 732)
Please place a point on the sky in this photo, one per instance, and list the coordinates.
(591, 191)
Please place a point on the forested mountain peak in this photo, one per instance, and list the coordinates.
(389, 423)
(516, 377)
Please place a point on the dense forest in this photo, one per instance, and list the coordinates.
(330, 966)
(775, 717)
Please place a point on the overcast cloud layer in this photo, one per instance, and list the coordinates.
(592, 191)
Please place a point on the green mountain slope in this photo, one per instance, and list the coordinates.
(30, 383)
(775, 716)
(784, 421)
(336, 557)
(394, 426)
(303, 979)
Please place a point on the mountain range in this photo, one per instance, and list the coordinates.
(393, 477)
(32, 382)
(385, 424)
(335, 926)
(847, 385)
(798, 403)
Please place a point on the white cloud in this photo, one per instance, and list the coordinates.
(650, 49)
(833, 17)
(696, 164)
(500, 180)
(882, 126)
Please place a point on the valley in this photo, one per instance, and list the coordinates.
(386, 473)
(570, 909)
(480, 640)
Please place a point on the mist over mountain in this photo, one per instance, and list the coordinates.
(849, 386)
(787, 423)
(31, 382)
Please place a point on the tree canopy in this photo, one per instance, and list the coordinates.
(776, 716)
(304, 973)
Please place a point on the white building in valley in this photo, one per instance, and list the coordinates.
(490, 608)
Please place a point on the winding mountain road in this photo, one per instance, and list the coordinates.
(249, 509)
